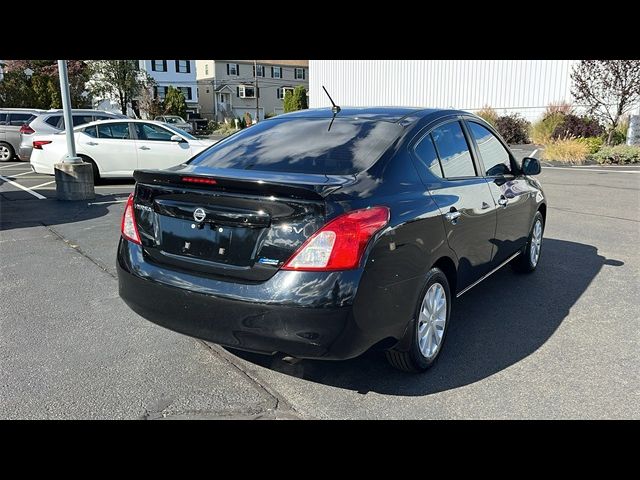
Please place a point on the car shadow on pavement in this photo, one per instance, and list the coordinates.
(19, 210)
(496, 324)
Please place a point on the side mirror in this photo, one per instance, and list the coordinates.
(531, 166)
(177, 138)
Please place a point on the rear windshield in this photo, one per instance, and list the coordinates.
(304, 145)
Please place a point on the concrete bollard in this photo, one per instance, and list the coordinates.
(633, 133)
(74, 181)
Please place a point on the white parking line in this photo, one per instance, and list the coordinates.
(20, 174)
(104, 203)
(22, 187)
(43, 184)
(13, 165)
(533, 154)
(592, 170)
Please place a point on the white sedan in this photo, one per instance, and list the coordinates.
(116, 148)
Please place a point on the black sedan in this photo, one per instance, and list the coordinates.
(324, 233)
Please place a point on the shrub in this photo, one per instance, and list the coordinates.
(542, 130)
(574, 126)
(568, 150)
(562, 108)
(619, 154)
(270, 115)
(488, 114)
(593, 143)
(513, 128)
(618, 137)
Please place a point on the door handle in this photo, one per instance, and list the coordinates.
(503, 201)
(452, 216)
(144, 148)
(92, 143)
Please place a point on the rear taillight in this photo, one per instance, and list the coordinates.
(128, 228)
(37, 144)
(339, 245)
(27, 129)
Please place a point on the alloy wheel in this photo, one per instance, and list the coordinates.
(432, 321)
(536, 243)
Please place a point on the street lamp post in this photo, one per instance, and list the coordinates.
(74, 177)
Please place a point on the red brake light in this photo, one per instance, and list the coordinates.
(128, 227)
(27, 129)
(37, 144)
(339, 245)
(209, 181)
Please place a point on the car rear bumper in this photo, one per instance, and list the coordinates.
(302, 314)
(24, 153)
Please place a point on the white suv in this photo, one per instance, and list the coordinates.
(52, 121)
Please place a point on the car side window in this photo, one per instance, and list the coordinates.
(53, 120)
(426, 153)
(91, 131)
(82, 119)
(119, 131)
(495, 157)
(453, 151)
(3, 118)
(148, 131)
(19, 119)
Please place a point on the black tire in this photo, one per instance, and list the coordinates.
(413, 360)
(7, 148)
(96, 172)
(523, 262)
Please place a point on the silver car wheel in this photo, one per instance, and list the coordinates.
(432, 321)
(536, 243)
(5, 153)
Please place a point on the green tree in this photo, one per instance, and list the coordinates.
(42, 88)
(119, 79)
(175, 103)
(609, 88)
(296, 100)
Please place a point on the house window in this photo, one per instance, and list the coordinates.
(276, 72)
(160, 92)
(186, 91)
(258, 71)
(233, 69)
(281, 92)
(183, 66)
(246, 91)
(159, 65)
(299, 74)
(206, 69)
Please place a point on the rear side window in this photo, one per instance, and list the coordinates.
(53, 120)
(453, 150)
(426, 153)
(3, 118)
(304, 145)
(19, 119)
(119, 131)
(91, 131)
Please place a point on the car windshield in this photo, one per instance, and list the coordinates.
(174, 120)
(188, 136)
(304, 145)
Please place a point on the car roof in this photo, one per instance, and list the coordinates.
(387, 114)
(119, 120)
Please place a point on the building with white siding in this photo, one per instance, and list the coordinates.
(508, 86)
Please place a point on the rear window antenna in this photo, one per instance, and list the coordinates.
(335, 109)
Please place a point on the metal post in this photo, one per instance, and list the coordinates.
(68, 118)
(255, 78)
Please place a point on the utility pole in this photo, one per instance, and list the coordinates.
(255, 79)
(74, 178)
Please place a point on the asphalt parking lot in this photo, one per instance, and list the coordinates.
(561, 343)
